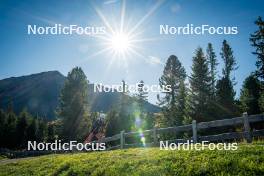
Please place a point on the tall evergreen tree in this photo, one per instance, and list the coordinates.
(257, 41)
(113, 124)
(121, 116)
(50, 132)
(10, 130)
(41, 132)
(182, 104)
(229, 60)
(73, 103)
(200, 87)
(32, 130)
(225, 93)
(250, 94)
(174, 75)
(3, 119)
(124, 110)
(143, 119)
(261, 101)
(141, 95)
(21, 127)
(211, 58)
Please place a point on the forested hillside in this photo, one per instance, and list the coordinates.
(39, 94)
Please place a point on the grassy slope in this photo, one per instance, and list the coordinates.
(247, 160)
(2, 157)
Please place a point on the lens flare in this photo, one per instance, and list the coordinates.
(142, 137)
(143, 140)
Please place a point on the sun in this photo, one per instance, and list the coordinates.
(120, 43)
(123, 40)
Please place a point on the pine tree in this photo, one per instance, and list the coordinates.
(124, 110)
(50, 132)
(120, 117)
(41, 132)
(10, 130)
(73, 103)
(31, 130)
(257, 41)
(21, 127)
(113, 124)
(261, 102)
(182, 104)
(229, 60)
(200, 86)
(3, 119)
(144, 121)
(141, 96)
(174, 75)
(225, 93)
(149, 121)
(250, 94)
(211, 58)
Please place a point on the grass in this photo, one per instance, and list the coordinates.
(247, 160)
(2, 157)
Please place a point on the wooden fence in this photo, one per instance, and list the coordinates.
(194, 128)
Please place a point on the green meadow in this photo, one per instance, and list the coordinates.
(247, 160)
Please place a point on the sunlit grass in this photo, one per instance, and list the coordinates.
(2, 157)
(247, 160)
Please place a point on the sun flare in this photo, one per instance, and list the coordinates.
(120, 43)
(123, 41)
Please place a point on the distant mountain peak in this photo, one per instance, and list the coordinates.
(39, 94)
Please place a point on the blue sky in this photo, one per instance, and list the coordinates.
(23, 54)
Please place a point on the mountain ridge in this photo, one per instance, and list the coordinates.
(39, 93)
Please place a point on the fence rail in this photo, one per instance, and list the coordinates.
(194, 128)
(244, 120)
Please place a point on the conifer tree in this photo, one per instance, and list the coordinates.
(143, 119)
(21, 127)
(73, 103)
(113, 123)
(211, 58)
(3, 119)
(31, 130)
(141, 96)
(250, 94)
(225, 93)
(10, 130)
(200, 87)
(50, 132)
(121, 116)
(174, 75)
(257, 41)
(229, 60)
(181, 112)
(41, 132)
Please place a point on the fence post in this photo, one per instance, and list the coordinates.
(247, 128)
(122, 139)
(194, 129)
(155, 139)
